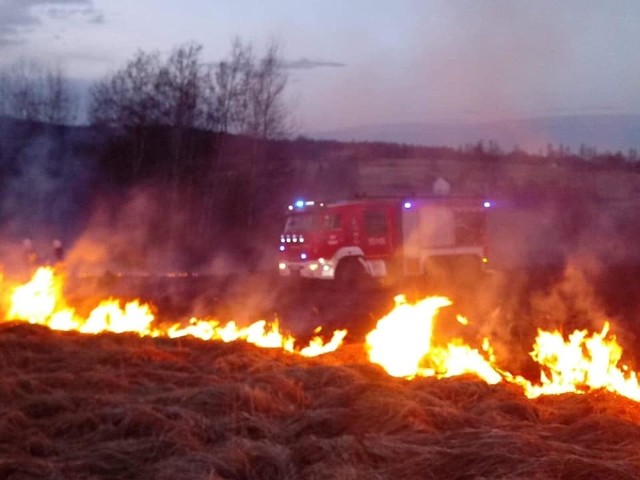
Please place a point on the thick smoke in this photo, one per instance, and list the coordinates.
(45, 188)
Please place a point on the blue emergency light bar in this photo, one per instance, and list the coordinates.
(300, 204)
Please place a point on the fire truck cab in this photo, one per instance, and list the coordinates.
(382, 238)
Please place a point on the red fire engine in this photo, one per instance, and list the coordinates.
(383, 238)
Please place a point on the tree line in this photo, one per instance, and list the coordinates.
(191, 132)
(36, 92)
(242, 94)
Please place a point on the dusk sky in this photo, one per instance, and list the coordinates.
(363, 62)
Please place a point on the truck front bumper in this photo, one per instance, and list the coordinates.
(310, 269)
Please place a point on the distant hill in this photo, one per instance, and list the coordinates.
(604, 132)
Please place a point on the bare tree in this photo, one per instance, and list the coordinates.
(242, 95)
(59, 104)
(5, 93)
(25, 91)
(149, 91)
(233, 79)
(129, 98)
(267, 111)
(249, 96)
(185, 88)
(31, 91)
(178, 92)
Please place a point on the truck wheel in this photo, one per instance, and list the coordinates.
(351, 274)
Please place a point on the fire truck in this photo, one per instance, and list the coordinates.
(384, 238)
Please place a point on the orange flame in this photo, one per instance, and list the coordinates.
(583, 362)
(36, 300)
(318, 347)
(40, 301)
(458, 359)
(260, 333)
(402, 344)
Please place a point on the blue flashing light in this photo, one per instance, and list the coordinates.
(299, 203)
(407, 205)
(282, 248)
(486, 204)
(303, 256)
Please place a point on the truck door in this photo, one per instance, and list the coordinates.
(331, 233)
(378, 233)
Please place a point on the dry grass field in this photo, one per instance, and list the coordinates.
(112, 406)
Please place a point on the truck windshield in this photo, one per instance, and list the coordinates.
(299, 223)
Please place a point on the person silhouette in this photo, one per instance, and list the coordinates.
(30, 255)
(58, 251)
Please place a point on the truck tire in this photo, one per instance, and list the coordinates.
(350, 273)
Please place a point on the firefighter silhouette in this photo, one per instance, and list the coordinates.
(30, 255)
(58, 251)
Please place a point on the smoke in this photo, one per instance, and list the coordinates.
(567, 263)
(45, 186)
(132, 232)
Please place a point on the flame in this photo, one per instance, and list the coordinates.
(402, 344)
(581, 363)
(402, 338)
(40, 301)
(318, 347)
(36, 300)
(260, 333)
(458, 359)
(109, 317)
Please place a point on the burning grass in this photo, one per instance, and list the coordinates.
(125, 406)
(115, 394)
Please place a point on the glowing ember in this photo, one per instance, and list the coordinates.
(581, 363)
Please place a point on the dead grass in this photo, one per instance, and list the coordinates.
(120, 406)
